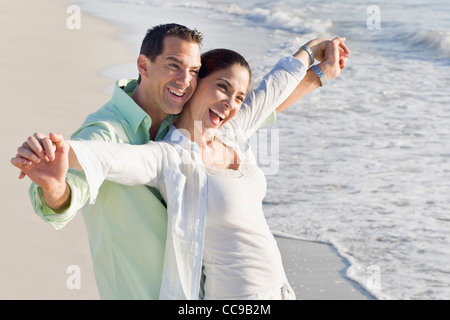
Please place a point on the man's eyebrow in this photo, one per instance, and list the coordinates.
(174, 59)
(171, 58)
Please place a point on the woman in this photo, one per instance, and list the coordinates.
(204, 168)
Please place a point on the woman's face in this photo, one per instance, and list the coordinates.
(219, 96)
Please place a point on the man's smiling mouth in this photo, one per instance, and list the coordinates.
(176, 93)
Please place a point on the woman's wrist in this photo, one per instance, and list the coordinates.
(318, 47)
(303, 56)
(310, 53)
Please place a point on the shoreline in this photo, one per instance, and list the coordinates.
(67, 80)
(316, 271)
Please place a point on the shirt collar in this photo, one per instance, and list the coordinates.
(126, 105)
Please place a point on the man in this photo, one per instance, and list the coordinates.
(127, 225)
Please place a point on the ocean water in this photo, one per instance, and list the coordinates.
(364, 163)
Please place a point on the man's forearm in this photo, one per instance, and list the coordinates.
(308, 84)
(57, 200)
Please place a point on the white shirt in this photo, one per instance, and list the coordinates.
(241, 257)
(174, 166)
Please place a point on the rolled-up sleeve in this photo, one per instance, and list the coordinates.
(77, 184)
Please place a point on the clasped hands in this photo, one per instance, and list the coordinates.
(332, 55)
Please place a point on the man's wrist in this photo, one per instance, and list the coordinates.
(57, 199)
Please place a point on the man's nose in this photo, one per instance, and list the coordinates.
(184, 79)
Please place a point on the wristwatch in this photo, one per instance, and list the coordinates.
(322, 77)
(311, 54)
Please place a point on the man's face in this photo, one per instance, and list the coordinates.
(172, 77)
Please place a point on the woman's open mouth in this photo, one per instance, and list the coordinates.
(216, 116)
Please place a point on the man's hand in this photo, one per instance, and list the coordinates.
(45, 160)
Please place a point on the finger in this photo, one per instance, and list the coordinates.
(342, 45)
(39, 135)
(58, 140)
(344, 48)
(49, 149)
(22, 175)
(333, 51)
(46, 145)
(341, 42)
(342, 53)
(35, 146)
(26, 153)
(20, 162)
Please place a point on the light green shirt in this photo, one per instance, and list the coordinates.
(127, 225)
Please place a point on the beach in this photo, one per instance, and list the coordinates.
(51, 81)
(53, 76)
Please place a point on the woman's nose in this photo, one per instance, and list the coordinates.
(230, 103)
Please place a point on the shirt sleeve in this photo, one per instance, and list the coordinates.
(75, 179)
(273, 90)
(121, 163)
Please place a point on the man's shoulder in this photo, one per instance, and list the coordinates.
(107, 123)
(108, 113)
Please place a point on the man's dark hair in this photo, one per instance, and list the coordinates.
(153, 43)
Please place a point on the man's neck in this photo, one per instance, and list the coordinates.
(155, 114)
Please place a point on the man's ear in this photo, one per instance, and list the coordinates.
(143, 64)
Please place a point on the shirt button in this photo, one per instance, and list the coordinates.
(146, 120)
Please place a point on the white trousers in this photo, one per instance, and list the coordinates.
(283, 292)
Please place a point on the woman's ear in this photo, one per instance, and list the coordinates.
(143, 64)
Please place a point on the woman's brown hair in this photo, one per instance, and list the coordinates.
(219, 59)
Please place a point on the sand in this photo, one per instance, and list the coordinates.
(51, 79)
(316, 272)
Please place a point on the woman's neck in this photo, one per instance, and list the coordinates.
(213, 151)
(194, 129)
